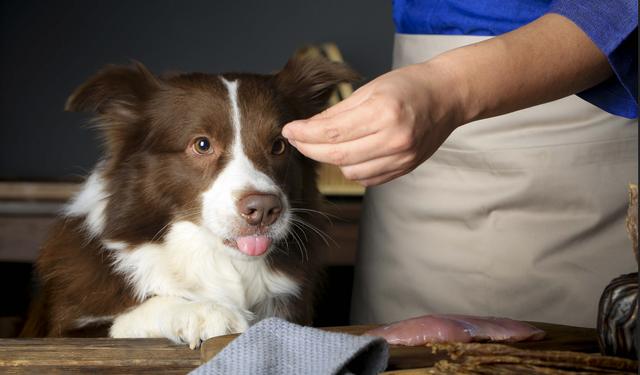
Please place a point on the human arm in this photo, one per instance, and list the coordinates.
(394, 123)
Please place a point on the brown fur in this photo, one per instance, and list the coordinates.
(76, 281)
(153, 177)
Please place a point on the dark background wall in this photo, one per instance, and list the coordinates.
(49, 47)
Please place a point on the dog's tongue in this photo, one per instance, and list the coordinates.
(253, 245)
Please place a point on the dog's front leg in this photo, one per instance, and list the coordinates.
(179, 320)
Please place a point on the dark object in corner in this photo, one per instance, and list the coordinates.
(617, 316)
(618, 308)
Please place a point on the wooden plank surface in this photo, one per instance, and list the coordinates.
(60, 191)
(95, 356)
(559, 337)
(149, 356)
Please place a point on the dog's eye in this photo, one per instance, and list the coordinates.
(278, 147)
(202, 146)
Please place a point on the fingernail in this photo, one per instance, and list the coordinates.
(286, 132)
(293, 143)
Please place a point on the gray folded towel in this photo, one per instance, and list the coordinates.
(275, 346)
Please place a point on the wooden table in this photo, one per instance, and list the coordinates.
(96, 356)
(158, 356)
(559, 337)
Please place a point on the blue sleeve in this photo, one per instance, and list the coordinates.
(613, 26)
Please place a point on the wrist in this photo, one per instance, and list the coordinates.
(450, 90)
(457, 86)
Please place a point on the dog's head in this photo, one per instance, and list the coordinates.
(205, 149)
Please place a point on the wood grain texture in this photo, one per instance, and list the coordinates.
(152, 356)
(97, 356)
(500, 359)
(38, 190)
(559, 337)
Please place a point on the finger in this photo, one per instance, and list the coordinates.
(340, 107)
(349, 153)
(378, 167)
(346, 126)
(379, 180)
(354, 100)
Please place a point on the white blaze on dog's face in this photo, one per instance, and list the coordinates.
(223, 210)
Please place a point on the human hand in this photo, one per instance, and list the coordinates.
(386, 128)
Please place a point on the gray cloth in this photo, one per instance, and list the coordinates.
(275, 346)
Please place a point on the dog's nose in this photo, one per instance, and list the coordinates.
(260, 209)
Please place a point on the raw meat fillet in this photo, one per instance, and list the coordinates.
(456, 328)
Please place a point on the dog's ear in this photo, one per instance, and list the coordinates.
(115, 91)
(115, 95)
(309, 81)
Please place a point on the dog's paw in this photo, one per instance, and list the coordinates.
(180, 321)
(200, 321)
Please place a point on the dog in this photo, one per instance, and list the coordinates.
(199, 220)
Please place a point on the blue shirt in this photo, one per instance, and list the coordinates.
(611, 24)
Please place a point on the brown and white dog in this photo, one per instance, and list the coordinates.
(191, 226)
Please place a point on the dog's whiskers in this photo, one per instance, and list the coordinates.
(327, 216)
(323, 235)
(296, 224)
(160, 232)
(183, 216)
(301, 245)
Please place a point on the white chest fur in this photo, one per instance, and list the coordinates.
(192, 264)
(194, 289)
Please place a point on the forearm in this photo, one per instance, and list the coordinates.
(545, 60)
(397, 121)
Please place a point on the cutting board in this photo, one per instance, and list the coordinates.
(559, 337)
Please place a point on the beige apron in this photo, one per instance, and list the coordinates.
(521, 215)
